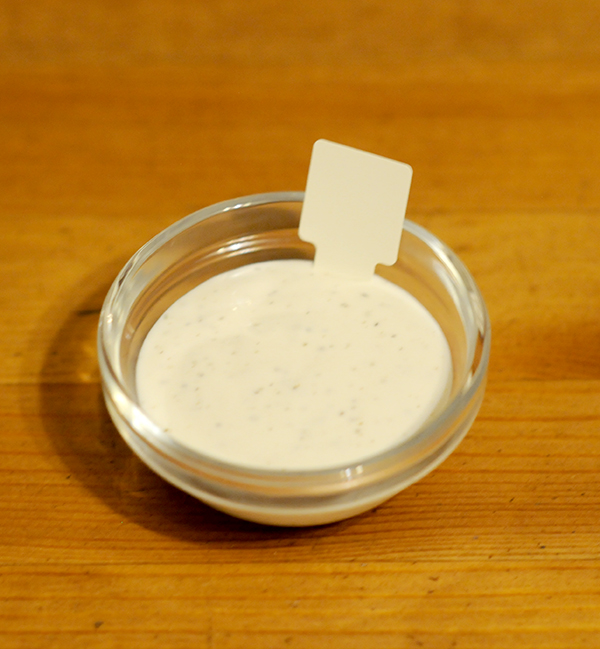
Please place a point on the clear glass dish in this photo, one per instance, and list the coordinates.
(261, 228)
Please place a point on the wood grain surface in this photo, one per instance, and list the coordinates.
(117, 119)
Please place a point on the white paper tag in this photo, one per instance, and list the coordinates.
(353, 209)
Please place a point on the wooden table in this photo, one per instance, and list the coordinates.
(117, 119)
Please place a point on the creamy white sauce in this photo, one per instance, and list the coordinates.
(273, 366)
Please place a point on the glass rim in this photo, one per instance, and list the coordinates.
(198, 463)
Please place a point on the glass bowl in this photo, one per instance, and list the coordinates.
(261, 228)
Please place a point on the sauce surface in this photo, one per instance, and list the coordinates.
(272, 366)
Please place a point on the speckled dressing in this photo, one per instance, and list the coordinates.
(273, 366)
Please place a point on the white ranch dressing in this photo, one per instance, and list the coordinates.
(272, 366)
